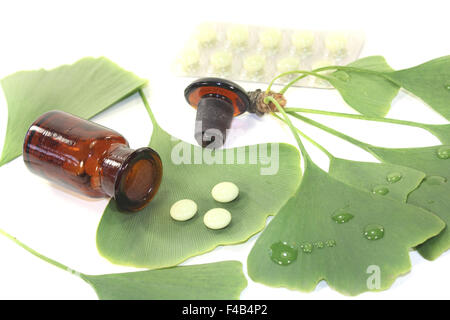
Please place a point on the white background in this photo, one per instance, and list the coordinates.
(143, 36)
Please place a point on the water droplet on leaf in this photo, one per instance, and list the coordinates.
(330, 243)
(447, 86)
(283, 253)
(380, 190)
(342, 216)
(444, 152)
(307, 247)
(374, 232)
(394, 177)
(435, 180)
(319, 244)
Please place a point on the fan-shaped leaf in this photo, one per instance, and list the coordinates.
(214, 281)
(429, 81)
(84, 88)
(434, 192)
(306, 222)
(441, 131)
(367, 93)
(219, 280)
(152, 239)
(400, 181)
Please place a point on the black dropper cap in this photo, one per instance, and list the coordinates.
(217, 101)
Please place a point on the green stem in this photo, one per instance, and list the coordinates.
(336, 133)
(342, 68)
(304, 73)
(358, 116)
(147, 107)
(305, 154)
(37, 254)
(315, 143)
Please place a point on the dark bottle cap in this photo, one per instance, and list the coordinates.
(217, 101)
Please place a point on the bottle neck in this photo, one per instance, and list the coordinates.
(112, 163)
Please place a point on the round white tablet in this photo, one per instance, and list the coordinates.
(336, 43)
(254, 64)
(288, 64)
(206, 34)
(217, 218)
(221, 60)
(238, 35)
(225, 192)
(303, 40)
(183, 210)
(270, 38)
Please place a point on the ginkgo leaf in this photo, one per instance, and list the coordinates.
(323, 232)
(222, 280)
(214, 281)
(434, 192)
(84, 88)
(367, 93)
(429, 81)
(399, 181)
(441, 131)
(152, 239)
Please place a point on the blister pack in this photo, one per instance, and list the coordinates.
(254, 53)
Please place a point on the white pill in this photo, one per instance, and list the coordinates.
(183, 210)
(225, 192)
(238, 35)
(288, 64)
(217, 218)
(190, 58)
(336, 44)
(221, 60)
(206, 34)
(254, 64)
(303, 40)
(270, 38)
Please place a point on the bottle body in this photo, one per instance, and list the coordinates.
(91, 159)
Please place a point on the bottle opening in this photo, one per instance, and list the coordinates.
(138, 180)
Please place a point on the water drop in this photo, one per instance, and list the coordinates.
(380, 190)
(394, 177)
(307, 247)
(374, 232)
(342, 216)
(435, 180)
(283, 253)
(319, 244)
(444, 152)
(330, 243)
(447, 86)
(342, 75)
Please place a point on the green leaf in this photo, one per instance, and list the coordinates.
(367, 93)
(84, 88)
(214, 281)
(434, 192)
(440, 131)
(306, 219)
(219, 280)
(369, 175)
(429, 81)
(152, 239)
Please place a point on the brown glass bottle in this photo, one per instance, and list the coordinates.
(92, 160)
